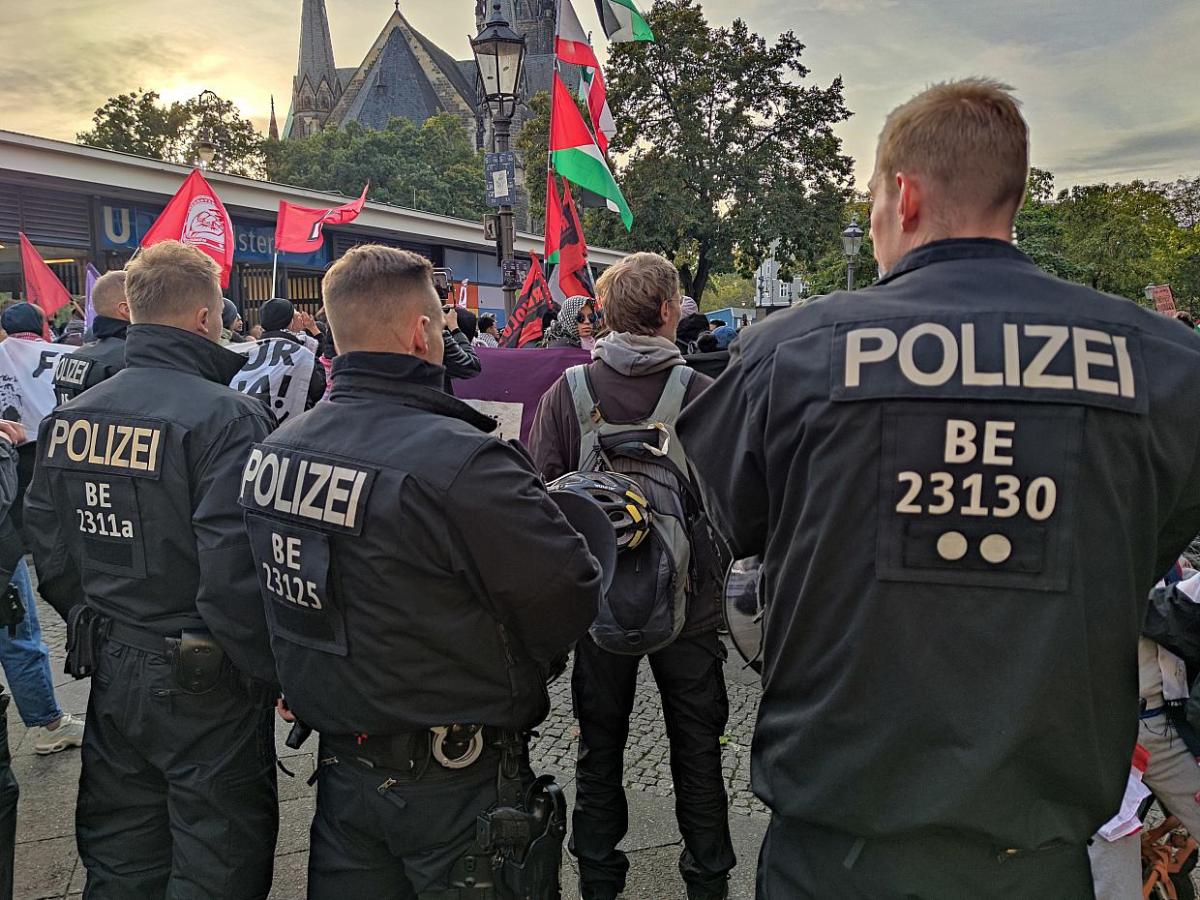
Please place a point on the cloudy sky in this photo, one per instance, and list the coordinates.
(1110, 86)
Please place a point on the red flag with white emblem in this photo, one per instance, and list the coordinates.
(197, 217)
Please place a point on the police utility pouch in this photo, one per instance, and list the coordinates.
(196, 661)
(86, 632)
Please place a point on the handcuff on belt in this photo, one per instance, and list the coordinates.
(467, 738)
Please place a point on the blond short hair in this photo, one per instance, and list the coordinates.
(108, 292)
(967, 138)
(372, 283)
(633, 291)
(169, 281)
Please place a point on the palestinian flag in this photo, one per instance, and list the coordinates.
(572, 46)
(575, 156)
(525, 325)
(622, 21)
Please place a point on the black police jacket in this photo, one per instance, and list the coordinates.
(414, 569)
(133, 504)
(964, 481)
(92, 363)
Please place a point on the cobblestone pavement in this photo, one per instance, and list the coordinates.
(647, 761)
(47, 865)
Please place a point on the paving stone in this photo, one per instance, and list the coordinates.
(43, 868)
(49, 785)
(291, 876)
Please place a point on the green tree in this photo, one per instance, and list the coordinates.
(1039, 228)
(1119, 236)
(138, 123)
(431, 167)
(728, 289)
(827, 273)
(725, 147)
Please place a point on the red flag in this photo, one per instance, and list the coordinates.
(574, 276)
(42, 286)
(196, 217)
(525, 325)
(299, 229)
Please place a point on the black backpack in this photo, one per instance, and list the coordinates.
(645, 608)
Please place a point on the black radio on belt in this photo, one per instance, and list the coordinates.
(196, 660)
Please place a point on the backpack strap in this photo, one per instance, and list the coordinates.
(587, 411)
(670, 402)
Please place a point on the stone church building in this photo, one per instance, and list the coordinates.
(405, 74)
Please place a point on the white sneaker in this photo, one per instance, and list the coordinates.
(69, 733)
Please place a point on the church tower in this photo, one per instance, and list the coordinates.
(316, 87)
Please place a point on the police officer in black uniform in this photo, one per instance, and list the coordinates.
(418, 581)
(103, 357)
(961, 481)
(134, 508)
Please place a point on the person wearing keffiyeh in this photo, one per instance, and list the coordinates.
(567, 330)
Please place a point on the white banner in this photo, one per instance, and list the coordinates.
(27, 381)
(277, 372)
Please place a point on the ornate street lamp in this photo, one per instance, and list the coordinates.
(499, 56)
(852, 239)
(206, 145)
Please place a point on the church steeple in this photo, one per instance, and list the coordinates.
(316, 87)
(273, 128)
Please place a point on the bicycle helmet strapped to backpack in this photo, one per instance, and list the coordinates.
(621, 499)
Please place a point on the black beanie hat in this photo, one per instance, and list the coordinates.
(229, 314)
(276, 315)
(21, 317)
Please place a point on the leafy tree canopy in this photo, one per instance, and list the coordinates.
(724, 147)
(431, 167)
(138, 123)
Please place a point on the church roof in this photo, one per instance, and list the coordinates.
(316, 45)
(403, 74)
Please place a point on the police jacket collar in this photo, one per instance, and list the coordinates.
(106, 327)
(164, 347)
(953, 249)
(404, 378)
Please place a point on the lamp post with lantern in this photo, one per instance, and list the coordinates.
(499, 55)
(852, 239)
(206, 145)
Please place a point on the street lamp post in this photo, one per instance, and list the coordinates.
(499, 55)
(206, 145)
(852, 239)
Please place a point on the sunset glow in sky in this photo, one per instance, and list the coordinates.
(1110, 87)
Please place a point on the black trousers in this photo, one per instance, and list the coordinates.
(800, 861)
(177, 798)
(8, 806)
(386, 836)
(691, 681)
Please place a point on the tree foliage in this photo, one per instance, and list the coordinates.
(138, 123)
(725, 147)
(431, 167)
(1116, 237)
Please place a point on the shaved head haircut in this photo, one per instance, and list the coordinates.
(373, 284)
(108, 292)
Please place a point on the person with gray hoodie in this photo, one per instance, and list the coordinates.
(633, 364)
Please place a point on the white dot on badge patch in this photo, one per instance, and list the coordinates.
(952, 546)
(995, 548)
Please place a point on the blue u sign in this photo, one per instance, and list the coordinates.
(122, 228)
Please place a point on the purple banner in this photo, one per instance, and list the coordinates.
(513, 381)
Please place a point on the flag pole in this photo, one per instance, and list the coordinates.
(274, 273)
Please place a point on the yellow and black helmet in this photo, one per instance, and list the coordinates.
(619, 496)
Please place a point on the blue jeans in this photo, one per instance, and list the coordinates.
(26, 660)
